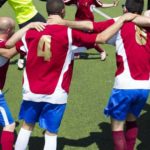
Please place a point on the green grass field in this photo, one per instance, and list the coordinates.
(84, 126)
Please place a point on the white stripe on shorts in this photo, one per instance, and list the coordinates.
(2, 110)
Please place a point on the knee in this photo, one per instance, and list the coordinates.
(28, 126)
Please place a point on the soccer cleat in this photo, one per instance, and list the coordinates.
(103, 55)
(21, 64)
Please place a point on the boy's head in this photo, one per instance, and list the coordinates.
(134, 6)
(55, 7)
(7, 26)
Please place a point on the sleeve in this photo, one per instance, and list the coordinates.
(20, 48)
(100, 26)
(71, 2)
(82, 39)
(2, 44)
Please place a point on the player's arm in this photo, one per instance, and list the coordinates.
(104, 36)
(142, 21)
(39, 26)
(81, 25)
(69, 2)
(105, 5)
(8, 53)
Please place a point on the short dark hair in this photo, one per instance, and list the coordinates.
(54, 7)
(134, 6)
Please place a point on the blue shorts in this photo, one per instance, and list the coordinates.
(5, 114)
(123, 102)
(48, 115)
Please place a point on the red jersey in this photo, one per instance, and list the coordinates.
(132, 57)
(83, 9)
(102, 25)
(4, 62)
(49, 62)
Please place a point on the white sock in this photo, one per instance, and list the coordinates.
(22, 139)
(50, 142)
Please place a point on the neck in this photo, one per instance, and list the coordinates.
(52, 21)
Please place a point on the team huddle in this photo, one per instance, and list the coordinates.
(50, 47)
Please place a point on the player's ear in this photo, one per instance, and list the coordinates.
(124, 9)
(63, 13)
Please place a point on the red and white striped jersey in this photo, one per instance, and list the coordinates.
(49, 63)
(4, 62)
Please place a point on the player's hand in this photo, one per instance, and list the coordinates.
(116, 2)
(55, 19)
(147, 13)
(39, 26)
(128, 17)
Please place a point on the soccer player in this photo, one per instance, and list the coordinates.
(132, 81)
(46, 87)
(6, 120)
(25, 13)
(7, 26)
(131, 87)
(84, 13)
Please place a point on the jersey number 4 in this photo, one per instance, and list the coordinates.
(44, 47)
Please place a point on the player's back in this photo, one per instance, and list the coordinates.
(132, 56)
(48, 59)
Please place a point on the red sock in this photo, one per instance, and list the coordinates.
(98, 48)
(131, 134)
(119, 140)
(7, 140)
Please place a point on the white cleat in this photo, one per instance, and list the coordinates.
(20, 64)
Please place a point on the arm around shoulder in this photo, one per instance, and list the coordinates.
(8, 53)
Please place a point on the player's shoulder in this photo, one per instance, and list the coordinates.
(128, 26)
(52, 30)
